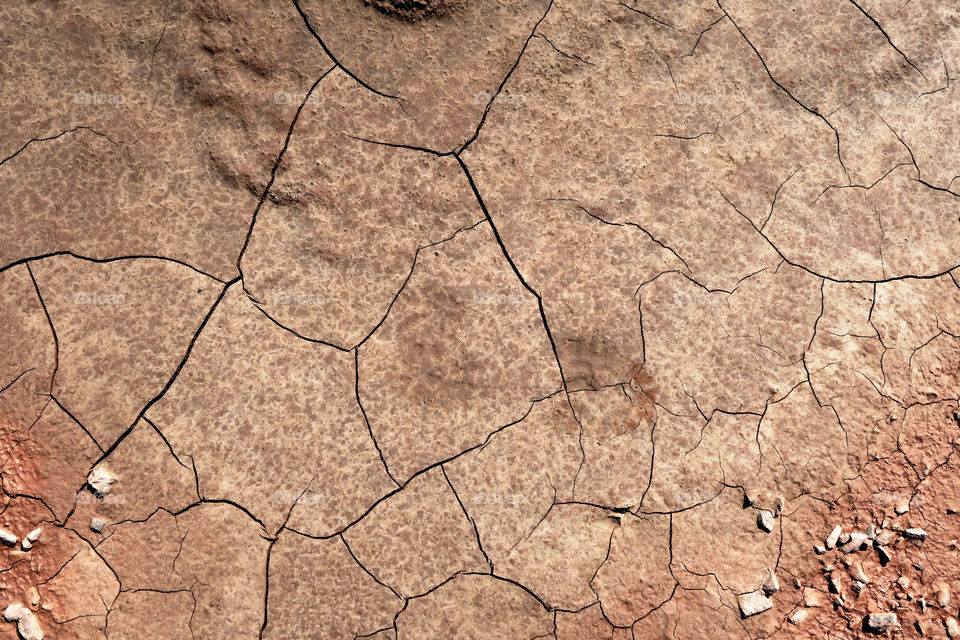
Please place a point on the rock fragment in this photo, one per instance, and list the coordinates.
(916, 535)
(857, 540)
(884, 538)
(835, 585)
(8, 538)
(943, 596)
(753, 603)
(879, 622)
(811, 598)
(97, 525)
(902, 507)
(27, 625)
(856, 572)
(833, 537)
(770, 584)
(883, 554)
(765, 521)
(798, 616)
(953, 627)
(31, 539)
(101, 481)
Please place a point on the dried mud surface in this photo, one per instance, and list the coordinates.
(461, 319)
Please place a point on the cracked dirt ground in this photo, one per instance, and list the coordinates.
(466, 319)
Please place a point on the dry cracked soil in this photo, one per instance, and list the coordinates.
(479, 320)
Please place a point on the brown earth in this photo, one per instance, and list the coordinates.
(459, 319)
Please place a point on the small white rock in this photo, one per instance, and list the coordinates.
(902, 507)
(770, 584)
(97, 525)
(100, 480)
(832, 538)
(27, 625)
(31, 539)
(819, 550)
(953, 627)
(943, 596)
(835, 585)
(8, 538)
(884, 555)
(856, 541)
(885, 538)
(753, 603)
(798, 616)
(811, 598)
(880, 622)
(916, 535)
(856, 572)
(765, 521)
(13, 612)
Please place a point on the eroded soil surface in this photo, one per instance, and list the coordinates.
(463, 319)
